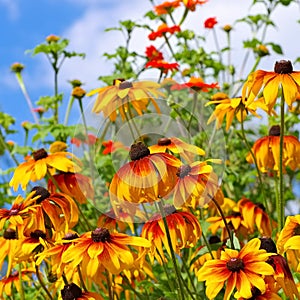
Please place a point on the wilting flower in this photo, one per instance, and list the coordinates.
(74, 185)
(231, 107)
(121, 94)
(197, 84)
(162, 65)
(282, 275)
(163, 29)
(37, 166)
(195, 185)
(166, 7)
(191, 4)
(241, 270)
(270, 82)
(74, 292)
(153, 54)
(13, 280)
(267, 149)
(146, 178)
(255, 214)
(18, 213)
(184, 230)
(177, 146)
(100, 249)
(210, 22)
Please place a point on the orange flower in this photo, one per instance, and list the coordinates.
(36, 168)
(99, 250)
(153, 54)
(74, 185)
(195, 185)
(270, 82)
(177, 146)
(197, 84)
(163, 29)
(110, 146)
(146, 178)
(210, 22)
(241, 270)
(166, 7)
(255, 214)
(191, 4)
(184, 230)
(121, 94)
(162, 65)
(266, 151)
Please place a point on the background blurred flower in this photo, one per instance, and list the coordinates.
(210, 22)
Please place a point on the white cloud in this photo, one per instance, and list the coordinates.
(12, 8)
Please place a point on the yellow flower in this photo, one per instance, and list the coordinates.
(240, 270)
(37, 166)
(184, 230)
(266, 151)
(232, 107)
(269, 82)
(122, 94)
(101, 250)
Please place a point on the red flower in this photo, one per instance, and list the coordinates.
(110, 146)
(162, 65)
(196, 84)
(90, 140)
(153, 54)
(161, 30)
(191, 4)
(166, 7)
(210, 22)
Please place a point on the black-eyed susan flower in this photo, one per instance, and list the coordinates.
(57, 210)
(162, 30)
(255, 214)
(122, 94)
(282, 275)
(9, 247)
(72, 291)
(75, 185)
(101, 250)
(37, 166)
(13, 280)
(146, 178)
(269, 82)
(196, 183)
(19, 212)
(184, 230)
(176, 146)
(267, 149)
(166, 7)
(241, 270)
(233, 107)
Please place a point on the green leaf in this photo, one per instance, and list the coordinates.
(276, 48)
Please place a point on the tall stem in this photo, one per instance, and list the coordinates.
(70, 104)
(38, 275)
(181, 295)
(22, 296)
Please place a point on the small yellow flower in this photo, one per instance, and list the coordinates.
(52, 38)
(17, 67)
(78, 92)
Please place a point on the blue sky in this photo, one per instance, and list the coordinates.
(26, 23)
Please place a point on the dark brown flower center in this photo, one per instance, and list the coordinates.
(297, 230)
(214, 239)
(183, 171)
(283, 67)
(13, 212)
(71, 292)
(39, 154)
(235, 264)
(268, 244)
(255, 293)
(70, 236)
(10, 234)
(42, 192)
(261, 206)
(38, 234)
(125, 85)
(138, 151)
(118, 79)
(164, 142)
(274, 130)
(100, 235)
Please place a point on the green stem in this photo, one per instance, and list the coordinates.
(189, 276)
(218, 50)
(38, 275)
(181, 294)
(4, 145)
(184, 16)
(280, 204)
(56, 118)
(81, 278)
(22, 295)
(70, 104)
(109, 287)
